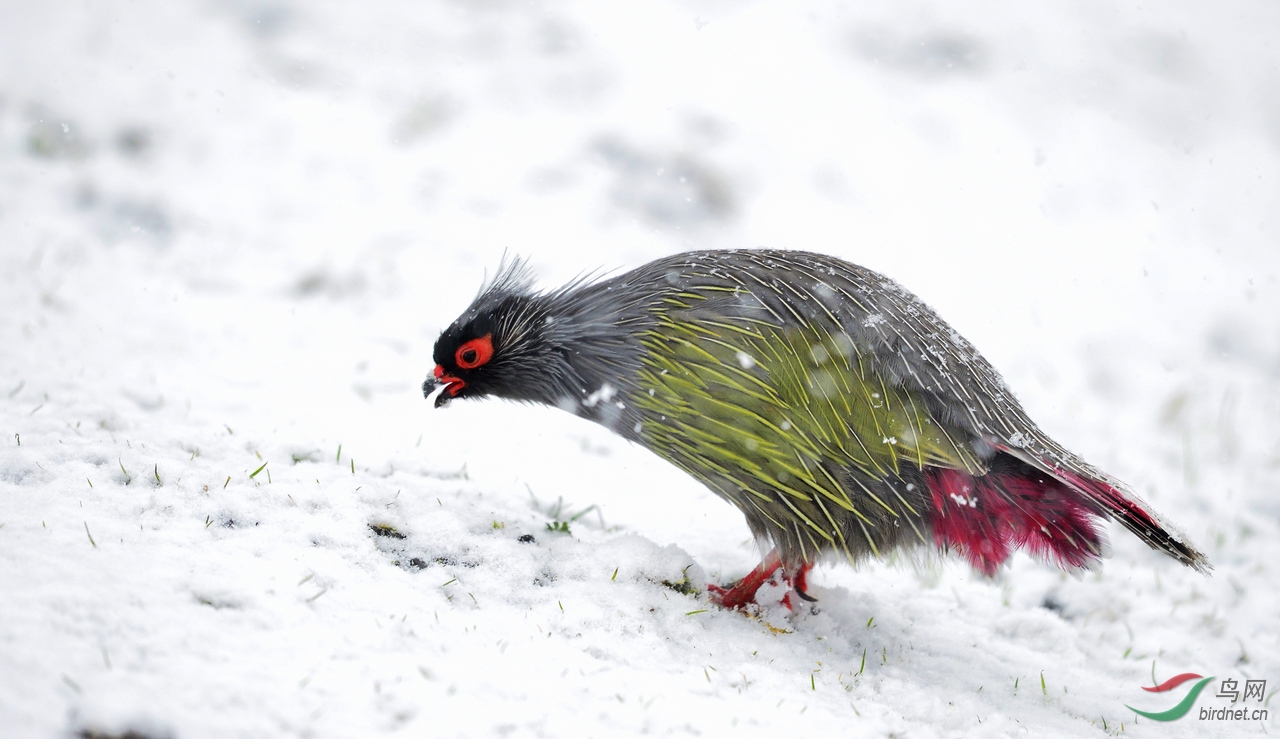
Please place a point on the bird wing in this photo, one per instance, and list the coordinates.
(772, 407)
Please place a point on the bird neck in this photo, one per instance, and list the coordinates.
(600, 356)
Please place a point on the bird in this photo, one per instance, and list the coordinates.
(827, 403)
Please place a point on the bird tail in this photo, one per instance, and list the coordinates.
(1109, 499)
(1051, 512)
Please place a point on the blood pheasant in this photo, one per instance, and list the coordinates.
(831, 406)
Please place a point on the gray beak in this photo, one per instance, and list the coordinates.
(432, 385)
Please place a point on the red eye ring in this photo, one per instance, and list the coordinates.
(475, 352)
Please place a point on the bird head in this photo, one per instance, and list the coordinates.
(465, 363)
(501, 346)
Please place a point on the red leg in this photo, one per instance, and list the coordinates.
(800, 583)
(743, 592)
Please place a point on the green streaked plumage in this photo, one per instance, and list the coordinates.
(777, 411)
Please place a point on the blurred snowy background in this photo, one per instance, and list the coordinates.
(231, 231)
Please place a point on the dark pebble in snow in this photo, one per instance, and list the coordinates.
(1051, 603)
(92, 734)
(382, 529)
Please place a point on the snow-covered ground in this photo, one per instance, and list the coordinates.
(230, 233)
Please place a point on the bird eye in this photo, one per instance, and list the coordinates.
(475, 352)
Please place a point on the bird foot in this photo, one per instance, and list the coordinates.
(769, 572)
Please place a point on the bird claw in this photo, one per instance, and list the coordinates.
(733, 597)
(743, 592)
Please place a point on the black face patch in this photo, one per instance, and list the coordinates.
(502, 347)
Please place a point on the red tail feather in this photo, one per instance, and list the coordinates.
(985, 518)
(1112, 501)
(1105, 499)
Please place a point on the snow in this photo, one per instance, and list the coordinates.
(604, 394)
(230, 233)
